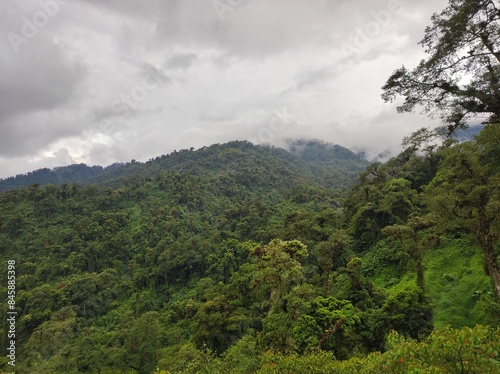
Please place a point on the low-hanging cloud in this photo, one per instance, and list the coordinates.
(106, 81)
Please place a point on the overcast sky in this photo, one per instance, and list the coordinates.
(101, 81)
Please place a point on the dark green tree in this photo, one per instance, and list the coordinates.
(463, 40)
(409, 311)
(414, 240)
(465, 196)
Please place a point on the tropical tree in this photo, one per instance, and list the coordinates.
(414, 240)
(460, 78)
(280, 269)
(466, 197)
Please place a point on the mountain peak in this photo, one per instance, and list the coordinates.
(311, 159)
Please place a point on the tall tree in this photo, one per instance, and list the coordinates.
(462, 42)
(465, 194)
(414, 240)
(280, 268)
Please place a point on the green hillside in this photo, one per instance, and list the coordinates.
(68, 174)
(240, 258)
(317, 162)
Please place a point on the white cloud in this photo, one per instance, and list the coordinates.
(118, 80)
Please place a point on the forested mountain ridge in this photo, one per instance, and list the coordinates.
(78, 173)
(246, 259)
(247, 263)
(329, 164)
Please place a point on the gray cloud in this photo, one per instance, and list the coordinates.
(181, 61)
(37, 79)
(107, 81)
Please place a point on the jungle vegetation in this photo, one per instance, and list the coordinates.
(256, 262)
(237, 258)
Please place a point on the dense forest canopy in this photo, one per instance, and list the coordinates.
(237, 258)
(336, 165)
(264, 261)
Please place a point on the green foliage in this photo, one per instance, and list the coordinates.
(465, 197)
(247, 264)
(409, 311)
(457, 285)
(473, 350)
(66, 175)
(462, 39)
(337, 320)
(446, 350)
(330, 165)
(307, 333)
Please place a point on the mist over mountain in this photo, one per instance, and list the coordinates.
(186, 207)
(326, 163)
(234, 258)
